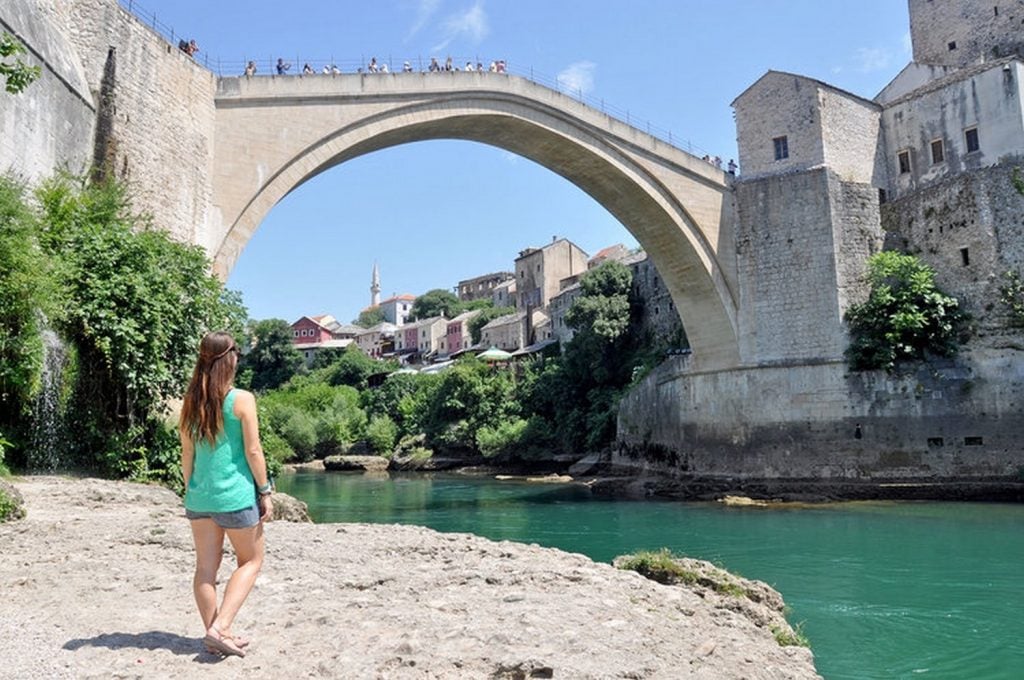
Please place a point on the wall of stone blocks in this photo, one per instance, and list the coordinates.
(857, 234)
(989, 100)
(659, 319)
(851, 138)
(785, 245)
(954, 420)
(153, 105)
(779, 104)
(978, 215)
(980, 29)
(49, 125)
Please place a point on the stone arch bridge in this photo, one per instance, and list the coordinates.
(272, 134)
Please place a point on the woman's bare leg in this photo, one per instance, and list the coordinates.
(209, 542)
(248, 545)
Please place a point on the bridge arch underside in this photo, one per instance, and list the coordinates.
(682, 254)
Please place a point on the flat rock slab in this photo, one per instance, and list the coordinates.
(356, 463)
(97, 583)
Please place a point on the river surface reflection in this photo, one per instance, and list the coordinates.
(882, 590)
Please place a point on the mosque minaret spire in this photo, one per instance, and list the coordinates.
(375, 287)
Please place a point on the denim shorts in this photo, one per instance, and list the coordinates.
(237, 519)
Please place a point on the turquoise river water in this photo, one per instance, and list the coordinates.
(882, 590)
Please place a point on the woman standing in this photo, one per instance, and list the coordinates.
(227, 490)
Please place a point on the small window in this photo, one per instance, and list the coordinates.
(938, 153)
(904, 161)
(974, 441)
(882, 196)
(295, 333)
(781, 148)
(952, 45)
(965, 257)
(935, 442)
(971, 138)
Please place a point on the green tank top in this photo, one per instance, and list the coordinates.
(221, 479)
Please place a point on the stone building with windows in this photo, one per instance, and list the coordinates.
(926, 166)
(539, 272)
(482, 287)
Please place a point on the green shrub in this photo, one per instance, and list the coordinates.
(790, 637)
(503, 438)
(658, 566)
(7, 506)
(299, 430)
(905, 316)
(382, 433)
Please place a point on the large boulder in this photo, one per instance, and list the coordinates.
(289, 509)
(12, 505)
(355, 463)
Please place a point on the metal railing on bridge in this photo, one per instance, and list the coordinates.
(265, 66)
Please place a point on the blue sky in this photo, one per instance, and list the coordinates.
(432, 213)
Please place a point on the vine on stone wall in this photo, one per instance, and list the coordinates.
(1011, 293)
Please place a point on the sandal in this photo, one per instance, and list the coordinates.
(219, 643)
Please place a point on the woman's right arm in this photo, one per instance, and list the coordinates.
(245, 409)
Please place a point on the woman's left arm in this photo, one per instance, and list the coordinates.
(188, 452)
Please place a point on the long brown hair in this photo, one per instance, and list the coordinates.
(202, 414)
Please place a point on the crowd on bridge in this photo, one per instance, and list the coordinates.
(283, 67)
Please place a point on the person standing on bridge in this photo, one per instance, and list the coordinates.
(282, 66)
(227, 488)
(250, 68)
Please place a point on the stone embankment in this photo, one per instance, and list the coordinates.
(96, 583)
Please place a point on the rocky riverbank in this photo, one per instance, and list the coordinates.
(97, 584)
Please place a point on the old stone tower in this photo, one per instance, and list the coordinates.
(830, 177)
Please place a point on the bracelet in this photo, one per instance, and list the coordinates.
(266, 489)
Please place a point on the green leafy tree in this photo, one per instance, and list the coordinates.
(906, 317)
(133, 303)
(436, 302)
(24, 291)
(273, 359)
(370, 317)
(17, 74)
(603, 307)
(349, 366)
(486, 315)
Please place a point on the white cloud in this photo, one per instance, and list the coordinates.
(470, 24)
(870, 59)
(577, 78)
(424, 10)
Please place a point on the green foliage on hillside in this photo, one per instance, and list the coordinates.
(564, 403)
(273, 359)
(905, 318)
(130, 303)
(436, 302)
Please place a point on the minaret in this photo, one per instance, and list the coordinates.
(375, 287)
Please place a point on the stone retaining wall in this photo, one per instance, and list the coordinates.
(956, 420)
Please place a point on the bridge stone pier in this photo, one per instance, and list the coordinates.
(274, 133)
